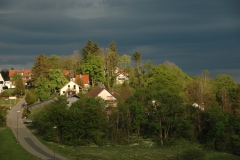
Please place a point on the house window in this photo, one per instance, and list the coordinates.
(68, 86)
(74, 86)
(109, 98)
(63, 92)
(121, 78)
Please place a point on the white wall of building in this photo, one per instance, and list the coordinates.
(70, 86)
(106, 96)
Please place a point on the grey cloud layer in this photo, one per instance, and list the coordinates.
(196, 35)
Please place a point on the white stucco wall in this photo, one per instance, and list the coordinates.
(106, 95)
(1, 83)
(121, 78)
(69, 86)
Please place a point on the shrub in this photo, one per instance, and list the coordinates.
(5, 94)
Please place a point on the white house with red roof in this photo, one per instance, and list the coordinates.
(84, 78)
(121, 77)
(26, 76)
(104, 94)
(70, 89)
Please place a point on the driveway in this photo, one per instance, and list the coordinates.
(25, 137)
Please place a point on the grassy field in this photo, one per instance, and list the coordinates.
(6, 102)
(135, 152)
(10, 149)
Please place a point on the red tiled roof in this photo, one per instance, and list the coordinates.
(123, 73)
(65, 72)
(84, 77)
(26, 73)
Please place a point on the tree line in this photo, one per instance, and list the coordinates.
(159, 102)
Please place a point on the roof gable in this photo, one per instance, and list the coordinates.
(71, 82)
(94, 92)
(100, 92)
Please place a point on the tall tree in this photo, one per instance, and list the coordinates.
(20, 88)
(164, 100)
(124, 61)
(55, 61)
(111, 63)
(138, 66)
(15, 78)
(40, 68)
(42, 89)
(225, 91)
(94, 66)
(90, 48)
(31, 97)
(113, 47)
(56, 79)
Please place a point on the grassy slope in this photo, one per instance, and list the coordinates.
(10, 149)
(131, 152)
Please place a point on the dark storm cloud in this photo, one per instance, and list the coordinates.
(195, 35)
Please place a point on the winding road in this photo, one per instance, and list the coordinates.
(25, 137)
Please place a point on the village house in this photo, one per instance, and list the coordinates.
(26, 76)
(83, 77)
(2, 83)
(70, 89)
(101, 92)
(121, 77)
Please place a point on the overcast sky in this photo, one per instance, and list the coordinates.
(196, 35)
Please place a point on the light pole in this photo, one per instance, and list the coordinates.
(10, 103)
(55, 127)
(17, 124)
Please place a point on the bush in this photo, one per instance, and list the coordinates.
(191, 154)
(5, 94)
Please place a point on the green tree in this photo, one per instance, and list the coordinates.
(40, 68)
(111, 63)
(3, 113)
(94, 66)
(215, 126)
(56, 79)
(94, 119)
(124, 61)
(225, 91)
(42, 88)
(138, 67)
(15, 78)
(124, 92)
(31, 97)
(20, 88)
(139, 117)
(55, 61)
(90, 48)
(164, 99)
(113, 46)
